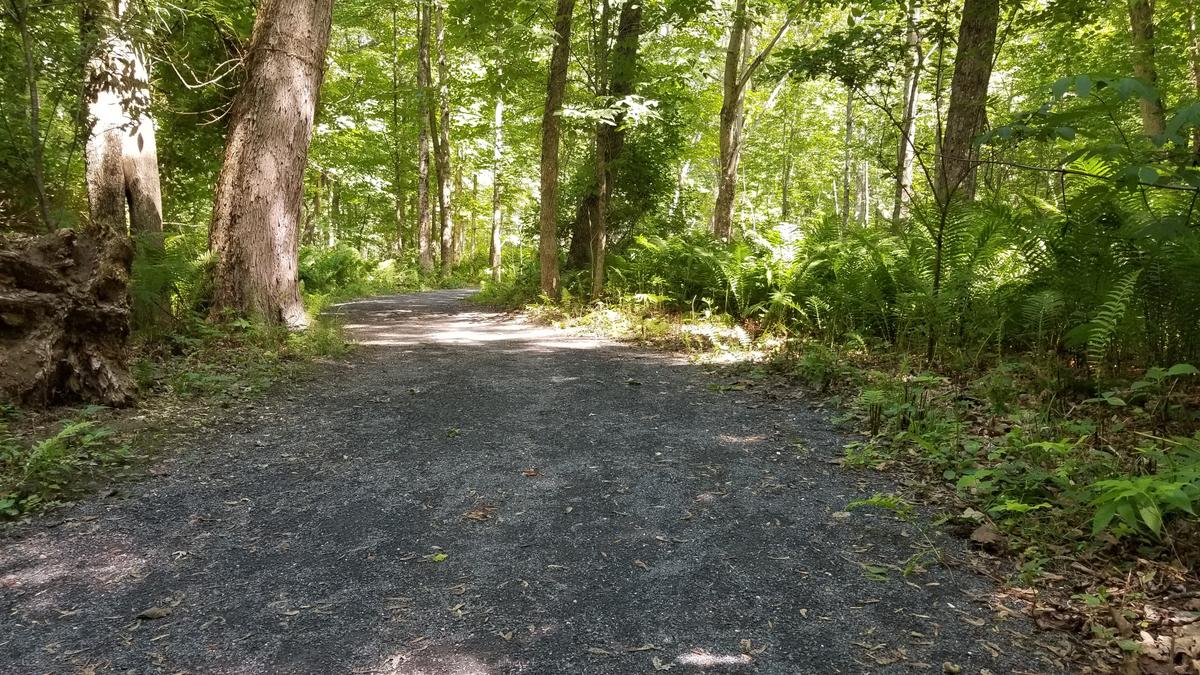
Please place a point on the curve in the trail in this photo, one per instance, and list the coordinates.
(470, 493)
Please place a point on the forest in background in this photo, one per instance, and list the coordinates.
(974, 222)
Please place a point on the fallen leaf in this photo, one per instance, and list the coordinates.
(531, 472)
(659, 664)
(155, 613)
(948, 667)
(988, 537)
(644, 648)
(506, 636)
(599, 652)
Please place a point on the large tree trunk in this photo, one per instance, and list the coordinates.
(122, 159)
(441, 145)
(906, 150)
(258, 202)
(424, 216)
(1141, 20)
(496, 250)
(64, 319)
(968, 99)
(555, 89)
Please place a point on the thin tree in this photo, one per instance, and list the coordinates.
(555, 89)
(906, 147)
(967, 114)
(256, 216)
(1194, 49)
(394, 135)
(739, 68)
(441, 145)
(424, 217)
(18, 12)
(496, 251)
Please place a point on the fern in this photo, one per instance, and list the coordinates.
(1108, 319)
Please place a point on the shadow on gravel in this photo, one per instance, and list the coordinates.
(474, 494)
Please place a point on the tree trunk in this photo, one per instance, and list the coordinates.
(64, 319)
(122, 160)
(258, 203)
(847, 159)
(968, 99)
(441, 146)
(1194, 48)
(610, 138)
(397, 160)
(37, 149)
(1141, 20)
(906, 150)
(314, 214)
(424, 217)
(496, 251)
(555, 90)
(733, 118)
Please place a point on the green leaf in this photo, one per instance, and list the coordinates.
(1148, 174)
(1182, 369)
(1152, 517)
(1103, 517)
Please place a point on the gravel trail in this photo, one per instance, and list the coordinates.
(469, 493)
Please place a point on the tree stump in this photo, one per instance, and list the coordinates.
(65, 320)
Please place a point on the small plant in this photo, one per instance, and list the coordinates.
(34, 475)
(891, 502)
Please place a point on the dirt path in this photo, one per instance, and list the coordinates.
(625, 518)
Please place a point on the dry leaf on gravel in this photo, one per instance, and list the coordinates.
(482, 511)
(155, 613)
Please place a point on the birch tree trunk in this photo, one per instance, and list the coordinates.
(1141, 20)
(847, 159)
(906, 149)
(555, 89)
(260, 188)
(967, 113)
(121, 156)
(424, 217)
(496, 251)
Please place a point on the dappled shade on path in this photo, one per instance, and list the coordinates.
(474, 494)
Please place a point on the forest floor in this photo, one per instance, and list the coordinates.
(472, 493)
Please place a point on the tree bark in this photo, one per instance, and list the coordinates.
(739, 68)
(64, 319)
(441, 145)
(397, 159)
(122, 159)
(732, 120)
(258, 203)
(555, 90)
(610, 138)
(1194, 48)
(847, 159)
(906, 150)
(1141, 20)
(424, 217)
(496, 251)
(967, 114)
